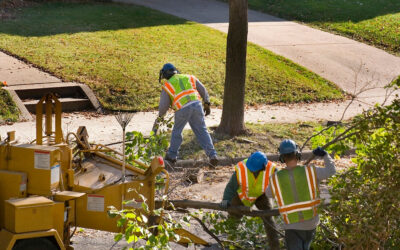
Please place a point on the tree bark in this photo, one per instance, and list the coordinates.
(232, 121)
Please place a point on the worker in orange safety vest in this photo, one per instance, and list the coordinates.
(184, 94)
(295, 190)
(247, 186)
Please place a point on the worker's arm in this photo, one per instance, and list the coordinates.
(328, 171)
(231, 188)
(268, 192)
(165, 103)
(202, 91)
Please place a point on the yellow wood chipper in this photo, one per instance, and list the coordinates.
(58, 183)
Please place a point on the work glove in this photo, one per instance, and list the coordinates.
(224, 204)
(319, 152)
(207, 109)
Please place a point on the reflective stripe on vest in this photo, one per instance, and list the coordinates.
(251, 188)
(301, 205)
(181, 90)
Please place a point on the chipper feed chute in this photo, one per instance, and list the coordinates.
(54, 184)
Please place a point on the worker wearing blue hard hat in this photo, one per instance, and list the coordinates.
(184, 94)
(295, 189)
(247, 186)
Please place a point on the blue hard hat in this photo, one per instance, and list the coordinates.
(167, 71)
(288, 146)
(256, 161)
(168, 66)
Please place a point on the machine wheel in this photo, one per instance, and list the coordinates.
(35, 244)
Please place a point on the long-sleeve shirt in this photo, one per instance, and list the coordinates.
(322, 173)
(165, 100)
(231, 188)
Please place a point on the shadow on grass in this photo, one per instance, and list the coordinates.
(47, 19)
(225, 145)
(327, 10)
(261, 137)
(190, 147)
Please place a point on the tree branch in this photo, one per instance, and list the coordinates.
(340, 137)
(215, 206)
(205, 228)
(320, 132)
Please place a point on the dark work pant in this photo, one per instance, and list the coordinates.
(299, 239)
(262, 203)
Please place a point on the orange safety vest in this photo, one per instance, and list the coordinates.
(300, 207)
(181, 89)
(250, 188)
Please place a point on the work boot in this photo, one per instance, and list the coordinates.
(213, 161)
(172, 161)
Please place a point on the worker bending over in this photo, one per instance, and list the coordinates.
(184, 93)
(295, 189)
(247, 186)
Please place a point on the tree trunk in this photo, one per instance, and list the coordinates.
(232, 121)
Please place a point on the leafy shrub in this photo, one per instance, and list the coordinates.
(244, 233)
(365, 207)
(155, 229)
(154, 233)
(139, 147)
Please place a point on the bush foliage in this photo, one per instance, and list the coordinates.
(365, 207)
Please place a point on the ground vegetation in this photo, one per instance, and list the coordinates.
(118, 50)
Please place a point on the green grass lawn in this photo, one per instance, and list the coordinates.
(376, 22)
(118, 51)
(265, 138)
(8, 110)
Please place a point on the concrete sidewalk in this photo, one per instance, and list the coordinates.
(16, 72)
(105, 129)
(333, 57)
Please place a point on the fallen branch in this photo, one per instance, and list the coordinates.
(215, 206)
(205, 228)
(340, 137)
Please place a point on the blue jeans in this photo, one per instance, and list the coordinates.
(299, 239)
(194, 114)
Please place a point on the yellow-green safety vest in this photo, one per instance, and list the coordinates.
(250, 188)
(181, 89)
(296, 193)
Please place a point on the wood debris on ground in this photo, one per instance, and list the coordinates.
(211, 185)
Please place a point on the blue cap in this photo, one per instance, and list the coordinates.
(167, 67)
(257, 161)
(288, 146)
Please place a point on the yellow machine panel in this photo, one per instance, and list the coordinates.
(12, 185)
(41, 163)
(59, 217)
(28, 214)
(92, 208)
(69, 183)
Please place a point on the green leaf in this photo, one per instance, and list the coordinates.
(132, 238)
(118, 237)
